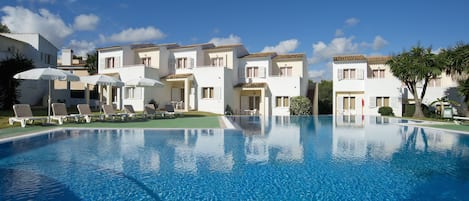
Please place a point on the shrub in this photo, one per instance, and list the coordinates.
(300, 105)
(385, 111)
(228, 110)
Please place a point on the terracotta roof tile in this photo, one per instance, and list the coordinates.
(349, 58)
(290, 56)
(260, 54)
(175, 76)
(378, 59)
(251, 85)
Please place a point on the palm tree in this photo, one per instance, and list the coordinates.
(413, 67)
(456, 61)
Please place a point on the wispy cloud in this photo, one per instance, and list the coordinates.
(86, 22)
(352, 22)
(23, 20)
(323, 52)
(81, 48)
(134, 35)
(231, 39)
(283, 46)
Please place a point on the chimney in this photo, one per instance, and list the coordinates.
(67, 57)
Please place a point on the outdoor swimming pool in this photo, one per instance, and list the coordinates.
(278, 158)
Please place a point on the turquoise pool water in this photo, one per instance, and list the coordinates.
(277, 158)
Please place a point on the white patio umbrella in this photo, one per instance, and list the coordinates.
(100, 80)
(47, 74)
(144, 82)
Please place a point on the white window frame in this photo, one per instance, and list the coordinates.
(208, 92)
(110, 62)
(181, 62)
(217, 61)
(284, 101)
(146, 61)
(286, 71)
(252, 71)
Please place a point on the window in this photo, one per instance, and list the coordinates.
(282, 101)
(181, 62)
(217, 61)
(254, 102)
(146, 61)
(349, 103)
(379, 73)
(110, 62)
(349, 74)
(129, 92)
(207, 92)
(286, 71)
(252, 71)
(382, 101)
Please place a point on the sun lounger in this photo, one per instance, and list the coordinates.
(460, 120)
(85, 111)
(149, 111)
(60, 113)
(170, 112)
(109, 112)
(129, 110)
(23, 114)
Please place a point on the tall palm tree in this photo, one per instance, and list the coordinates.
(456, 61)
(418, 65)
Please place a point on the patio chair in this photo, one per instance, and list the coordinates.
(60, 113)
(149, 111)
(129, 110)
(85, 111)
(23, 114)
(170, 112)
(109, 112)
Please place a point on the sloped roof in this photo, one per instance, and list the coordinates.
(349, 58)
(378, 59)
(260, 55)
(290, 56)
(251, 85)
(175, 76)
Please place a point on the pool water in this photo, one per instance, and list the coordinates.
(274, 158)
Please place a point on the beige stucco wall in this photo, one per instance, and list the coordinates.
(226, 55)
(153, 54)
(297, 67)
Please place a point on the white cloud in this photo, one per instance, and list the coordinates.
(352, 21)
(134, 35)
(324, 52)
(379, 43)
(81, 48)
(283, 46)
(339, 32)
(232, 39)
(86, 22)
(316, 74)
(22, 20)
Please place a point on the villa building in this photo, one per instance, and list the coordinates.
(205, 77)
(364, 84)
(40, 51)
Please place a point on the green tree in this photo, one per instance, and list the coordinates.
(4, 29)
(413, 67)
(456, 62)
(92, 63)
(300, 105)
(8, 85)
(325, 97)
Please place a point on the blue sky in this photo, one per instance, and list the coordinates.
(320, 29)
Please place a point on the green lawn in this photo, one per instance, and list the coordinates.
(189, 120)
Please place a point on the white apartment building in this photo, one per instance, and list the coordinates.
(205, 77)
(42, 53)
(363, 84)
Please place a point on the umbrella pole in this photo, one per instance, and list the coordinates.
(48, 103)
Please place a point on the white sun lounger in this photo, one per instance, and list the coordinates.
(23, 114)
(60, 113)
(85, 111)
(109, 112)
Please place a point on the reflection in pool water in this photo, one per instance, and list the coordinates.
(274, 158)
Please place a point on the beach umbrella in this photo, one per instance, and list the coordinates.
(144, 82)
(47, 74)
(99, 80)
